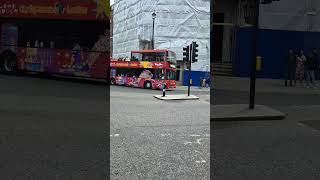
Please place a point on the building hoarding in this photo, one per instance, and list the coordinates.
(177, 24)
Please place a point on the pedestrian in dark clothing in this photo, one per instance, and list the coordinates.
(200, 82)
(317, 69)
(208, 82)
(290, 64)
(311, 65)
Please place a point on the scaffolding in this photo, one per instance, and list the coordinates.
(177, 24)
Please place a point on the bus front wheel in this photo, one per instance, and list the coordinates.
(147, 85)
(8, 62)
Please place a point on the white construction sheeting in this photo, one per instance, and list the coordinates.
(177, 24)
(294, 15)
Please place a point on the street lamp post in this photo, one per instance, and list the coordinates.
(154, 15)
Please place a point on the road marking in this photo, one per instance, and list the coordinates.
(195, 135)
(186, 143)
(198, 141)
(164, 135)
(115, 135)
(202, 161)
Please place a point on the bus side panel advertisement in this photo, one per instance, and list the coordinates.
(64, 62)
(56, 9)
(139, 81)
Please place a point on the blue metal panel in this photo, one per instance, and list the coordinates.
(195, 76)
(273, 47)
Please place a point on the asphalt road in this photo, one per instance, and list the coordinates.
(287, 149)
(52, 129)
(56, 129)
(154, 139)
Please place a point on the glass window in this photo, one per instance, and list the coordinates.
(148, 57)
(158, 73)
(172, 56)
(62, 34)
(136, 57)
(170, 75)
(160, 56)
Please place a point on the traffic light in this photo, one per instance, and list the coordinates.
(186, 52)
(195, 52)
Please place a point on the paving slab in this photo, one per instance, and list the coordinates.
(176, 97)
(241, 112)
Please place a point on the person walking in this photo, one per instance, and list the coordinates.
(310, 67)
(290, 63)
(301, 60)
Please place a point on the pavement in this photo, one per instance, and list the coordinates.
(238, 112)
(241, 112)
(262, 86)
(176, 97)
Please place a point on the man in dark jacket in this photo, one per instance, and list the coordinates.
(290, 63)
(311, 65)
(317, 69)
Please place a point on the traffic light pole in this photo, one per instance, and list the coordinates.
(190, 62)
(254, 58)
(190, 55)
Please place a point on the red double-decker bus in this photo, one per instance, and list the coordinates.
(146, 69)
(61, 37)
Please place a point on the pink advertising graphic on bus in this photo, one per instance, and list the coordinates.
(61, 44)
(148, 69)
